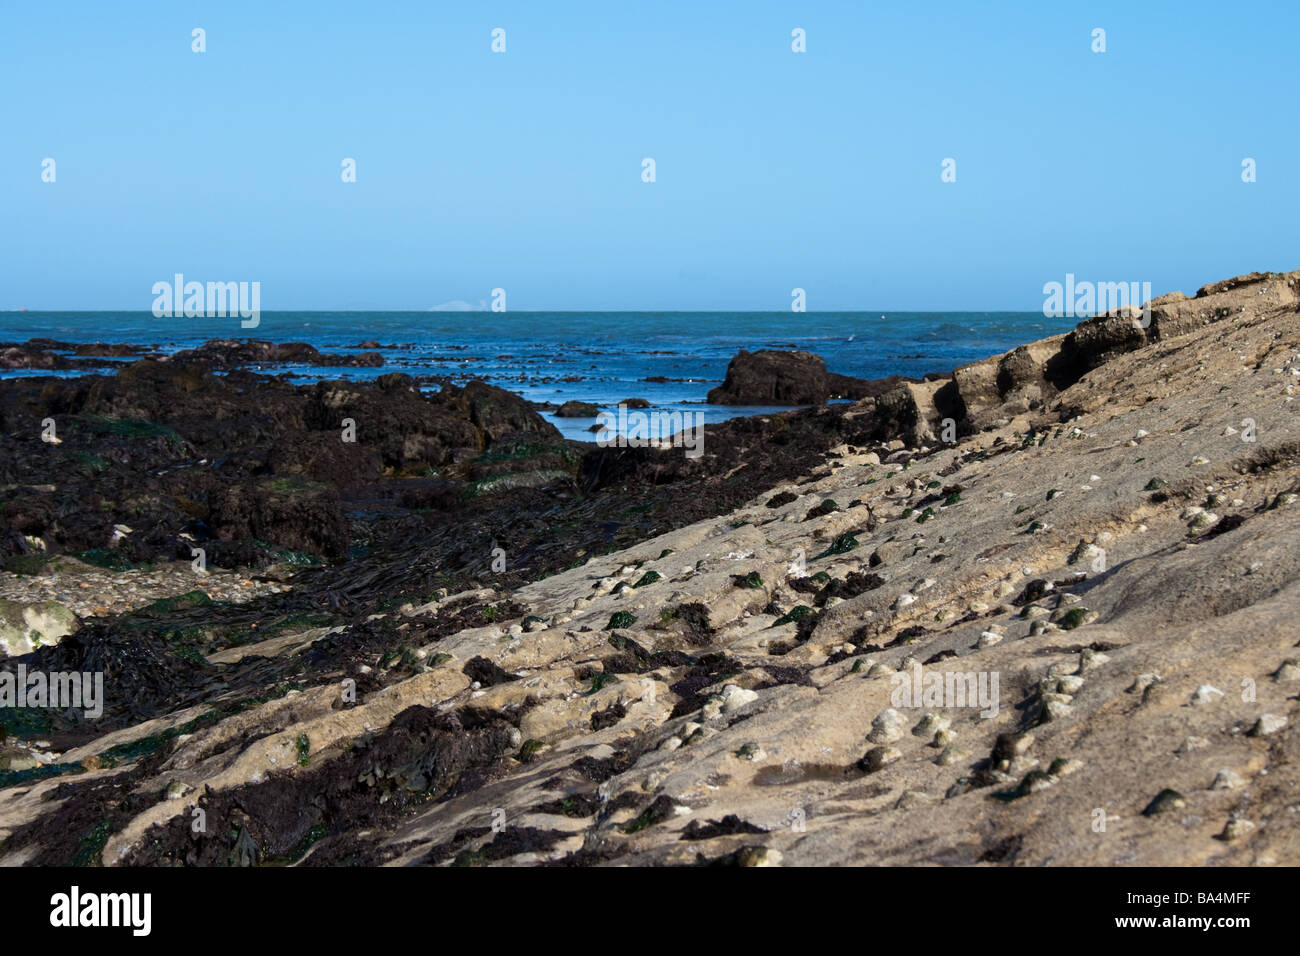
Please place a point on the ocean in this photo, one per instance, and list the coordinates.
(597, 357)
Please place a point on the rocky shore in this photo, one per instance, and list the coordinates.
(355, 623)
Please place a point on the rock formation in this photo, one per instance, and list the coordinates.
(1100, 570)
(781, 377)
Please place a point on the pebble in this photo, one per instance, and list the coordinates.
(1143, 682)
(1069, 684)
(1062, 668)
(887, 727)
(1021, 765)
(750, 751)
(1205, 694)
(877, 758)
(1065, 767)
(758, 856)
(735, 697)
(1226, 780)
(177, 789)
(1090, 660)
(1035, 781)
(1164, 802)
(1267, 724)
(930, 725)
(1236, 828)
(951, 754)
(1290, 670)
(915, 798)
(1056, 709)
(1011, 745)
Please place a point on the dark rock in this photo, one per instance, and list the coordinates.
(778, 377)
(730, 825)
(24, 356)
(486, 673)
(573, 409)
(224, 354)
(1165, 801)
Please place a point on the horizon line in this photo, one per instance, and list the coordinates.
(265, 312)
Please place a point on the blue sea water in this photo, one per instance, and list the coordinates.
(598, 357)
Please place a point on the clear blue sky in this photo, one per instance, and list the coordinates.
(523, 170)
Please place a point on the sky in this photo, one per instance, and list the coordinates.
(523, 170)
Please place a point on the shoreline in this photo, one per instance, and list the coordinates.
(671, 643)
(671, 360)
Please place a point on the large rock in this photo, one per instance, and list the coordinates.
(290, 511)
(25, 356)
(1092, 344)
(778, 377)
(410, 432)
(573, 409)
(1176, 314)
(1022, 375)
(908, 412)
(245, 464)
(496, 412)
(977, 388)
(413, 432)
(25, 627)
